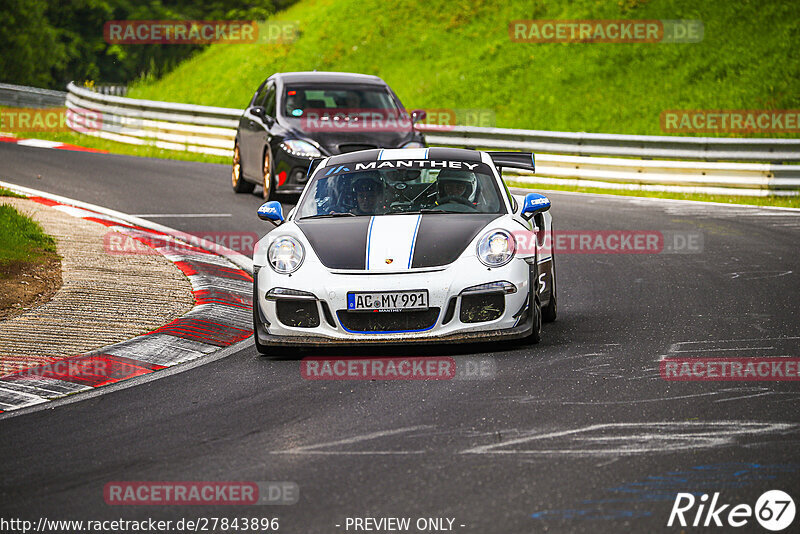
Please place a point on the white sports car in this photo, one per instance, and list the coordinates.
(405, 245)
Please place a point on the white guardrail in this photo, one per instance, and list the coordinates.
(569, 158)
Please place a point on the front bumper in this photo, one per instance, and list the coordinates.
(450, 323)
(291, 172)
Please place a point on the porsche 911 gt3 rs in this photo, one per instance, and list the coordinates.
(405, 245)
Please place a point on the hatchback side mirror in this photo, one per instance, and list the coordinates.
(418, 115)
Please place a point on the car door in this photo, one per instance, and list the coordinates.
(244, 131)
(251, 134)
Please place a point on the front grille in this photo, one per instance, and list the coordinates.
(353, 147)
(298, 313)
(407, 321)
(482, 307)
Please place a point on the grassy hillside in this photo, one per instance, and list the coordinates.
(443, 54)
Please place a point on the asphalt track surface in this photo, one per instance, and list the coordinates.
(577, 434)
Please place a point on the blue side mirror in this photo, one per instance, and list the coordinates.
(534, 203)
(271, 211)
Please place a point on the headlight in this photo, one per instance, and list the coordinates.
(285, 255)
(413, 144)
(496, 248)
(304, 149)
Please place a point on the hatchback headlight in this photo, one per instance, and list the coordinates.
(285, 255)
(297, 147)
(496, 248)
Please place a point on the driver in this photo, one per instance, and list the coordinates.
(352, 100)
(369, 195)
(455, 186)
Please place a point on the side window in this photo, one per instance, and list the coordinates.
(511, 199)
(259, 96)
(269, 100)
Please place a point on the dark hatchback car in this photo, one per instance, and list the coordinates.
(295, 117)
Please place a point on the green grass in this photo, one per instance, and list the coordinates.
(442, 54)
(22, 239)
(787, 202)
(6, 193)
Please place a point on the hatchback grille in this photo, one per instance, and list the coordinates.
(345, 148)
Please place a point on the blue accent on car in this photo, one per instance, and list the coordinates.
(271, 211)
(390, 331)
(534, 203)
(297, 112)
(369, 238)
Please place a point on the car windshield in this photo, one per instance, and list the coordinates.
(397, 187)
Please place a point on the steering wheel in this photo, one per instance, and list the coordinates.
(456, 200)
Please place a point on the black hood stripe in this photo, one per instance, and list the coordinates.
(442, 238)
(339, 243)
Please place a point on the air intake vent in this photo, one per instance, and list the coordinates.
(410, 321)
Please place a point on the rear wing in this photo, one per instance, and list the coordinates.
(515, 160)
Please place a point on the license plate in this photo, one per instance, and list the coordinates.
(388, 300)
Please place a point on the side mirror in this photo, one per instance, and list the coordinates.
(258, 111)
(534, 204)
(418, 115)
(271, 211)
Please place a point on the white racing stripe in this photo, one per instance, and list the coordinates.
(403, 153)
(391, 238)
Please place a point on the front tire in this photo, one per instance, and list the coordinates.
(240, 185)
(536, 333)
(550, 312)
(535, 309)
(262, 349)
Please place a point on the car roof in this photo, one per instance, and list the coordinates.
(433, 153)
(327, 77)
(438, 153)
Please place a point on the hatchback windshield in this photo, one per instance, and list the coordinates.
(300, 100)
(414, 186)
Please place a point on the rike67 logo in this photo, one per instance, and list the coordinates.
(774, 511)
